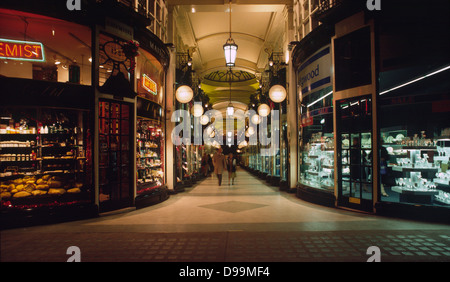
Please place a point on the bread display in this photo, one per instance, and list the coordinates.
(21, 194)
(37, 186)
(74, 190)
(56, 191)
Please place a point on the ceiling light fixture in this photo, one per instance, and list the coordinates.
(197, 109)
(277, 93)
(230, 108)
(184, 94)
(230, 48)
(263, 110)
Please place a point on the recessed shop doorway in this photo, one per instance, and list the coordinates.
(115, 165)
(355, 152)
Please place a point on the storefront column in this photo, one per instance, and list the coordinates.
(95, 81)
(169, 109)
(292, 130)
(291, 106)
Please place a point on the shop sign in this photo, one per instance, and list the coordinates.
(307, 121)
(321, 111)
(315, 72)
(149, 84)
(21, 50)
(119, 29)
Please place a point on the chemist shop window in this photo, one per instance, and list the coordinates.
(316, 142)
(43, 48)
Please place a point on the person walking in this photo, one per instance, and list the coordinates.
(219, 164)
(231, 167)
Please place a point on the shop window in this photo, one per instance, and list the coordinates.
(43, 48)
(150, 77)
(149, 155)
(315, 110)
(316, 140)
(414, 110)
(45, 157)
(415, 139)
(115, 56)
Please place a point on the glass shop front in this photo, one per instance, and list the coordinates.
(377, 138)
(414, 110)
(150, 127)
(46, 168)
(316, 129)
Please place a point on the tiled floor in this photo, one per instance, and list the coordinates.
(246, 222)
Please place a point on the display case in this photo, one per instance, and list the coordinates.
(318, 162)
(418, 168)
(149, 155)
(45, 157)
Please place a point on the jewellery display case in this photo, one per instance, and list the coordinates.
(419, 168)
(45, 158)
(318, 162)
(149, 155)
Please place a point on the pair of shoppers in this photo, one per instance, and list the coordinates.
(221, 162)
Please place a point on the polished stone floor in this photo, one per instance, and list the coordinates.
(246, 222)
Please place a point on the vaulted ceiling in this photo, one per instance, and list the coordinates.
(257, 27)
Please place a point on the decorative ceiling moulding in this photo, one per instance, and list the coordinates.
(223, 76)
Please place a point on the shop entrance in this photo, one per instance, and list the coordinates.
(354, 152)
(115, 166)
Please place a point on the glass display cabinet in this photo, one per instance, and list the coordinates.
(46, 157)
(318, 162)
(418, 168)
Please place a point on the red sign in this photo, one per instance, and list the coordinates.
(149, 85)
(21, 50)
(307, 121)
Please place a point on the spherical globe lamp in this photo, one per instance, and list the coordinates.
(277, 93)
(204, 119)
(184, 94)
(256, 119)
(197, 110)
(263, 110)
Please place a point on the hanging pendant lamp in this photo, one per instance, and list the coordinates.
(230, 48)
(230, 108)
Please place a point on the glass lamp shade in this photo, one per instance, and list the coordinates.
(277, 93)
(197, 110)
(184, 94)
(250, 131)
(230, 49)
(204, 119)
(256, 119)
(263, 110)
(230, 109)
